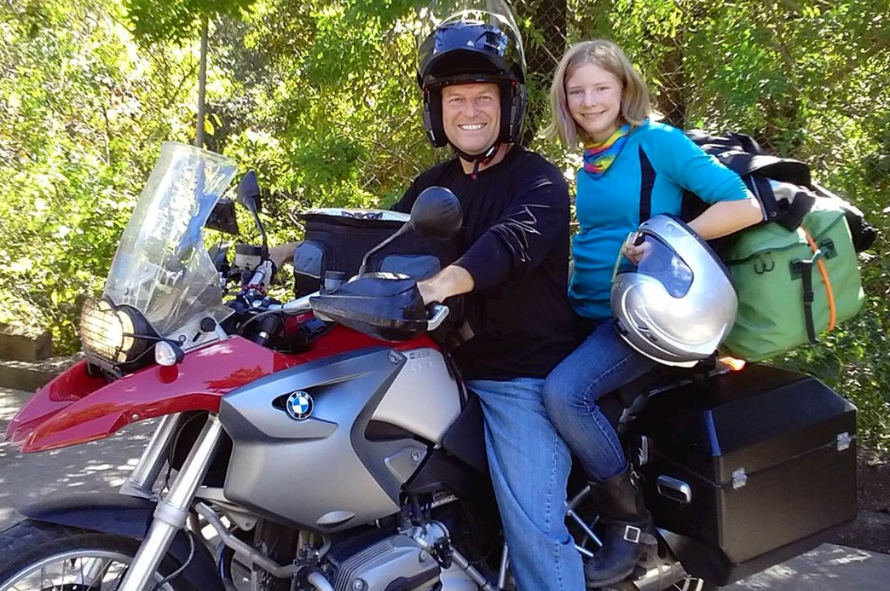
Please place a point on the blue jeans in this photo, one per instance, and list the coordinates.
(601, 364)
(529, 466)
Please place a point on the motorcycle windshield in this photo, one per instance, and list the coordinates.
(162, 267)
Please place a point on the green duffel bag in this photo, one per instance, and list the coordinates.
(792, 285)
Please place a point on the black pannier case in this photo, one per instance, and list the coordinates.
(336, 240)
(747, 469)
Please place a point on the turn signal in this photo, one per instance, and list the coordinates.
(168, 354)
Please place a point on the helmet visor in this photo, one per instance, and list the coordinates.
(453, 31)
(661, 262)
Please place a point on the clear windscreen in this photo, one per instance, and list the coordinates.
(662, 263)
(484, 12)
(162, 267)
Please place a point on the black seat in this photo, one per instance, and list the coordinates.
(634, 395)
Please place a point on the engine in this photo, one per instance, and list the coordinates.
(396, 563)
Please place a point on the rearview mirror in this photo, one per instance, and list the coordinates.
(436, 214)
(249, 192)
(249, 197)
(222, 217)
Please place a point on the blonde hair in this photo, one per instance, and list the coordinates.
(635, 104)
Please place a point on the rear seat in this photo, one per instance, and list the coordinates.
(633, 396)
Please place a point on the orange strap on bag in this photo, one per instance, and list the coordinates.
(832, 308)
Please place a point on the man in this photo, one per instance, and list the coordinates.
(513, 270)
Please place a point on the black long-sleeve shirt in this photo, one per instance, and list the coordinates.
(515, 244)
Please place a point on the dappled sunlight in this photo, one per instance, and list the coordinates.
(848, 556)
(99, 466)
(827, 568)
(10, 402)
(768, 578)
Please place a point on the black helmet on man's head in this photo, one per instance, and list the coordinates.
(465, 41)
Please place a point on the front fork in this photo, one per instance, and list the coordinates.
(141, 481)
(172, 510)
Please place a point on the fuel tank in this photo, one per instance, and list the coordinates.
(328, 445)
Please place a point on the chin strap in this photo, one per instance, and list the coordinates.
(478, 159)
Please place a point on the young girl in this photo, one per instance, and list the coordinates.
(599, 99)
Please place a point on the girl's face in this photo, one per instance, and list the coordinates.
(594, 101)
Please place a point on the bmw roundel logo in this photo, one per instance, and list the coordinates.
(299, 405)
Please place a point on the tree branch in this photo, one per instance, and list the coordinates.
(855, 61)
(792, 6)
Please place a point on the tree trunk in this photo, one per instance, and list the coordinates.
(202, 86)
(544, 46)
(670, 99)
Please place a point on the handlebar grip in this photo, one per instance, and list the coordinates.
(440, 313)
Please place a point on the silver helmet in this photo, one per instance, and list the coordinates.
(678, 304)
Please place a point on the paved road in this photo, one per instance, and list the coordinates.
(103, 465)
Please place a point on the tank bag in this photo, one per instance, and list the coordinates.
(334, 241)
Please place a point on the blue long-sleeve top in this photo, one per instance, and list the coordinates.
(608, 207)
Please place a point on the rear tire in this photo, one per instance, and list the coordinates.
(38, 556)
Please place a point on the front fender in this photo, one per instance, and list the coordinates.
(129, 517)
(76, 408)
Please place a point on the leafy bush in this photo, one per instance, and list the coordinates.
(319, 97)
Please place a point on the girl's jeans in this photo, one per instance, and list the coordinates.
(601, 364)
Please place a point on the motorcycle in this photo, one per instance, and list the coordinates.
(327, 442)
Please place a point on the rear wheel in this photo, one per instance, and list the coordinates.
(36, 556)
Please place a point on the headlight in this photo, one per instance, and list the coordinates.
(110, 334)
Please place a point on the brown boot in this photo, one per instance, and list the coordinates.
(628, 529)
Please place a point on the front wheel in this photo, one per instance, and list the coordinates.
(692, 584)
(37, 556)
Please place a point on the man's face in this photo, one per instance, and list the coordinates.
(471, 115)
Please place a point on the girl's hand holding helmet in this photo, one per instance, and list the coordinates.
(635, 247)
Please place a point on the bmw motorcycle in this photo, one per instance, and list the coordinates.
(328, 443)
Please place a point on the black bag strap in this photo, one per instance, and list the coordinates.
(806, 275)
(647, 182)
(746, 164)
(763, 191)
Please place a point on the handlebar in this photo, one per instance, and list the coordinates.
(438, 312)
(295, 306)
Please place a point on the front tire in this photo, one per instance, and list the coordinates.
(38, 556)
(692, 584)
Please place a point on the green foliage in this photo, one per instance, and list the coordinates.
(81, 120)
(320, 98)
(177, 20)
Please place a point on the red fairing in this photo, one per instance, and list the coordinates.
(76, 408)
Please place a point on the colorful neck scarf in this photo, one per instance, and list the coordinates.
(599, 156)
